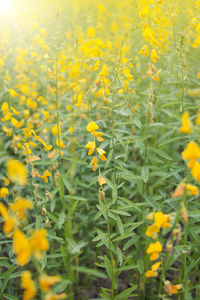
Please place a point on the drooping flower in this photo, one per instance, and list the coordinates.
(154, 56)
(46, 175)
(92, 126)
(191, 153)
(153, 272)
(101, 153)
(154, 249)
(91, 146)
(186, 123)
(101, 180)
(170, 288)
(94, 163)
(28, 285)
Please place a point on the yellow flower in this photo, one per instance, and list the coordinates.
(55, 297)
(186, 123)
(153, 272)
(47, 281)
(101, 180)
(101, 154)
(152, 231)
(195, 170)
(60, 144)
(92, 126)
(192, 189)
(197, 121)
(46, 175)
(55, 130)
(28, 285)
(154, 56)
(5, 108)
(191, 152)
(98, 135)
(161, 220)
(91, 32)
(144, 51)
(9, 221)
(171, 289)
(94, 163)
(154, 249)
(16, 123)
(91, 146)
(21, 247)
(4, 192)
(16, 171)
(20, 206)
(179, 191)
(39, 242)
(13, 93)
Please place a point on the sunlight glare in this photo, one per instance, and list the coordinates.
(6, 7)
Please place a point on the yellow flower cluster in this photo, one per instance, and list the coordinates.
(160, 221)
(91, 145)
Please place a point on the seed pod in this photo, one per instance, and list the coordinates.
(47, 222)
(48, 196)
(169, 246)
(101, 195)
(44, 211)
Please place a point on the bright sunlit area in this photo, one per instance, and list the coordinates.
(6, 7)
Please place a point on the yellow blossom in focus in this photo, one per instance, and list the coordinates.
(101, 154)
(186, 123)
(47, 281)
(191, 153)
(92, 126)
(152, 231)
(28, 285)
(153, 272)
(16, 171)
(98, 135)
(91, 146)
(154, 249)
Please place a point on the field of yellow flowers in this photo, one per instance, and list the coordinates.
(99, 149)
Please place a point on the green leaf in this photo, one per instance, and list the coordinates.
(145, 174)
(61, 219)
(90, 272)
(126, 293)
(108, 266)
